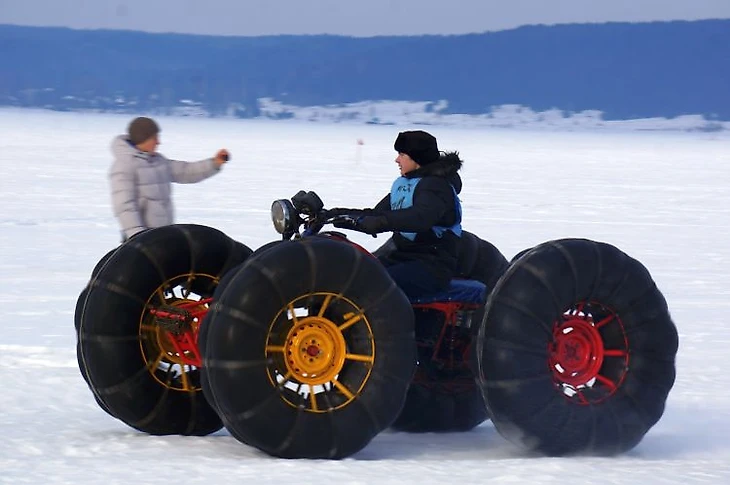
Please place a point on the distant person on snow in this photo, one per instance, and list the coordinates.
(141, 178)
(424, 213)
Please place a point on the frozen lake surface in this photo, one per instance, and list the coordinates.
(664, 198)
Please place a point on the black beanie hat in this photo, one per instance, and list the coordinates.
(418, 145)
(142, 129)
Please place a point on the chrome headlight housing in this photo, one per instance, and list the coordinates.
(284, 216)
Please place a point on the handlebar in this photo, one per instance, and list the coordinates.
(341, 221)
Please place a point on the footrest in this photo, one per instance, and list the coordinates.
(459, 291)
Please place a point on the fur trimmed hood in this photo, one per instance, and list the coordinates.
(447, 166)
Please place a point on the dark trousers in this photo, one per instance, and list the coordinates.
(415, 278)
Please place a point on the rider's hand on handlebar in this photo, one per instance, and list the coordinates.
(372, 224)
(340, 211)
(367, 224)
(345, 221)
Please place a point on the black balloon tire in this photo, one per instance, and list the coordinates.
(108, 316)
(452, 402)
(259, 413)
(526, 402)
(435, 406)
(203, 331)
(80, 302)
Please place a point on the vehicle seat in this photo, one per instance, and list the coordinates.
(470, 292)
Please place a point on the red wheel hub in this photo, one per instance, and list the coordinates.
(576, 354)
(589, 353)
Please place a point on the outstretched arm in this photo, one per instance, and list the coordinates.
(381, 206)
(192, 172)
(432, 200)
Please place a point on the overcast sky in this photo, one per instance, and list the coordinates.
(346, 17)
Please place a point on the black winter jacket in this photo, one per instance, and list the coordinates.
(433, 205)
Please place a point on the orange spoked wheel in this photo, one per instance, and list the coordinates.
(138, 322)
(576, 352)
(169, 331)
(324, 358)
(309, 349)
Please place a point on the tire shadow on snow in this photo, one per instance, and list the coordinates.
(481, 443)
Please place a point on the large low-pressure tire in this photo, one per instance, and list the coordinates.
(309, 350)
(448, 399)
(577, 350)
(128, 361)
(80, 302)
(441, 401)
(480, 260)
(203, 331)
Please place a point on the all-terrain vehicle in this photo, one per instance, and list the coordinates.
(306, 348)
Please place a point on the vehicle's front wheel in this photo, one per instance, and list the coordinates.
(309, 350)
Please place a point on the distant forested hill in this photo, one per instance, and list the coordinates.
(626, 70)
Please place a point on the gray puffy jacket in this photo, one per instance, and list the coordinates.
(140, 185)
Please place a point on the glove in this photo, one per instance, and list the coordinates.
(372, 224)
(346, 221)
(339, 211)
(367, 224)
(307, 202)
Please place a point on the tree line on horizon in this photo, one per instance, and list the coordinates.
(625, 70)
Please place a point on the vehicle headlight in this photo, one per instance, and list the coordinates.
(283, 215)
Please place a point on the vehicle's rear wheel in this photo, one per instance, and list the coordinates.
(134, 343)
(444, 395)
(576, 350)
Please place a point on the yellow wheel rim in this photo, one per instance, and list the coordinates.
(160, 357)
(320, 352)
(315, 351)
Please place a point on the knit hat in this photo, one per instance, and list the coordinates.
(418, 145)
(142, 129)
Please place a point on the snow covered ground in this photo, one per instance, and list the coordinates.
(662, 198)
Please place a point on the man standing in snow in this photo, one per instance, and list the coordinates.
(141, 178)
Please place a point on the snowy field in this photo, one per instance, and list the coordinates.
(662, 198)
